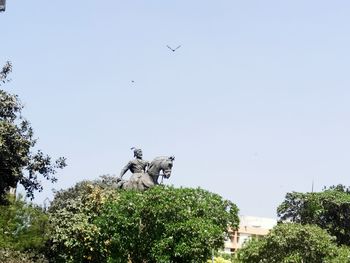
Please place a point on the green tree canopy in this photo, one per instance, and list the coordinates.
(19, 161)
(329, 209)
(166, 224)
(23, 228)
(13, 256)
(93, 223)
(293, 243)
(343, 255)
(72, 215)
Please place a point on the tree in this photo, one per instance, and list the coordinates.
(19, 161)
(329, 210)
(219, 260)
(23, 225)
(293, 243)
(72, 215)
(23, 231)
(6, 70)
(12, 256)
(92, 222)
(165, 224)
(342, 256)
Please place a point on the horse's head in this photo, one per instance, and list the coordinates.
(162, 164)
(166, 166)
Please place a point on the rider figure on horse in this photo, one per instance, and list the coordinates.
(144, 174)
(137, 165)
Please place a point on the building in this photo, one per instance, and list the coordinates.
(249, 227)
(2, 5)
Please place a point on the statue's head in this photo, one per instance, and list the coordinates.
(137, 152)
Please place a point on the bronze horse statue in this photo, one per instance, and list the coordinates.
(160, 166)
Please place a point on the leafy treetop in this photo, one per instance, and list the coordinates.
(292, 242)
(19, 161)
(93, 222)
(329, 209)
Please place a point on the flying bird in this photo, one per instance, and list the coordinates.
(173, 49)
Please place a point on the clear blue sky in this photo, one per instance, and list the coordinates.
(254, 104)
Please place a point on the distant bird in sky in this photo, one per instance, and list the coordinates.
(173, 49)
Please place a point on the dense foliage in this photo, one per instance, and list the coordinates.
(219, 260)
(74, 236)
(329, 210)
(19, 162)
(23, 231)
(163, 224)
(294, 243)
(13, 256)
(22, 226)
(343, 255)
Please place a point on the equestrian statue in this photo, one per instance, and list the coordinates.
(145, 174)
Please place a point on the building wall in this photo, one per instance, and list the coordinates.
(249, 227)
